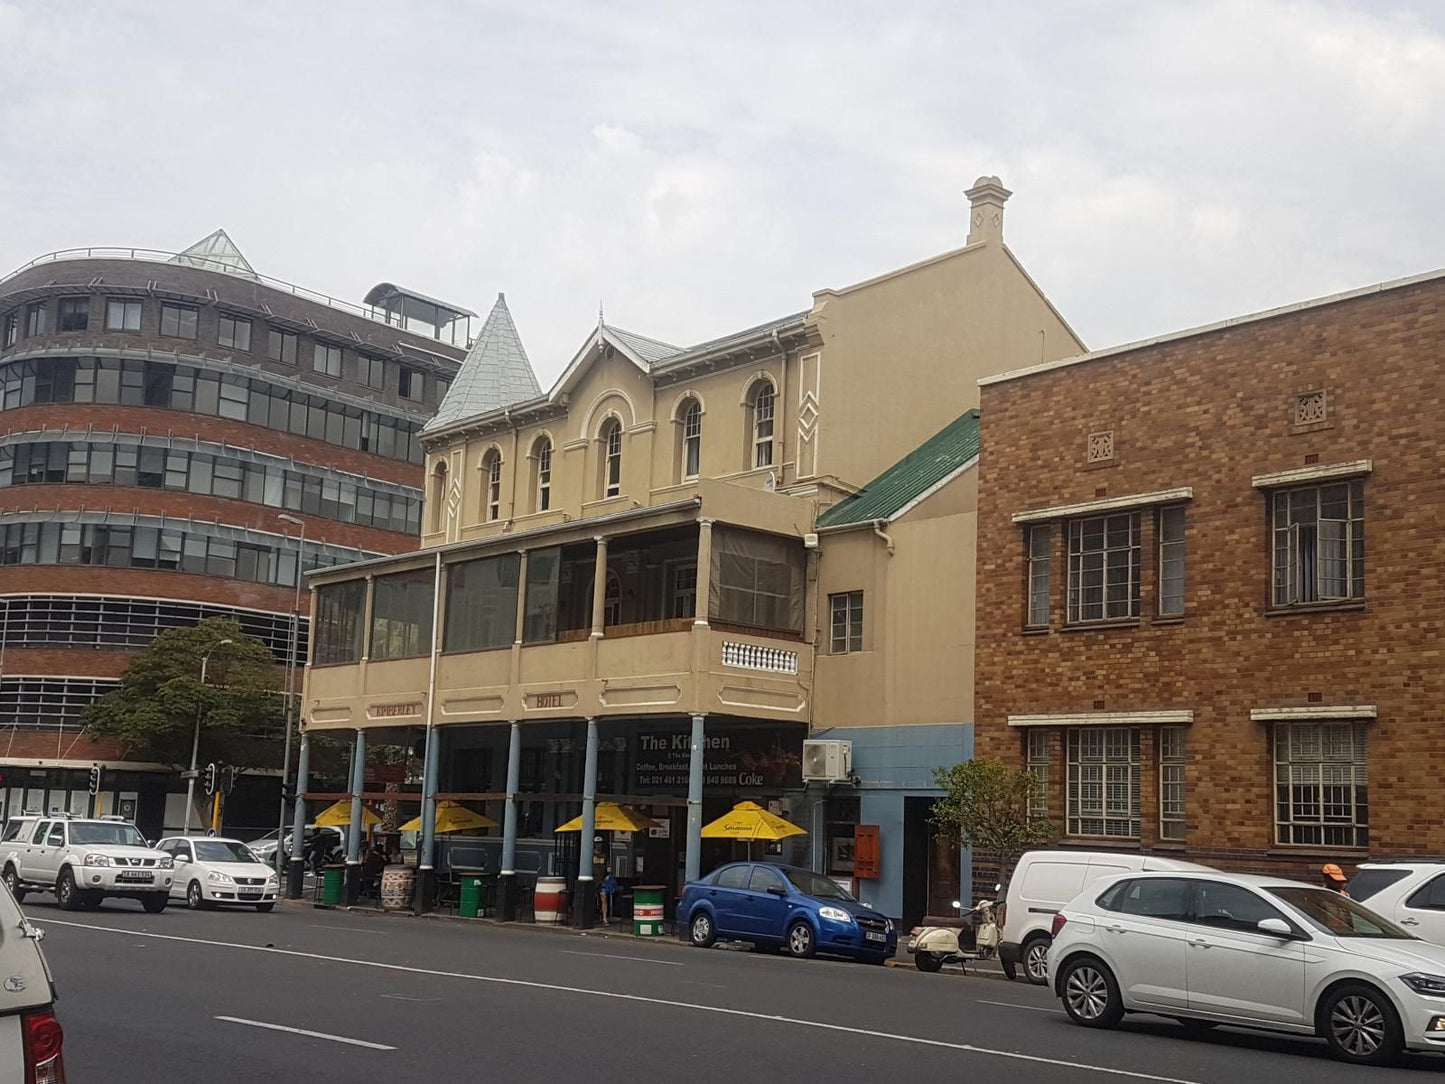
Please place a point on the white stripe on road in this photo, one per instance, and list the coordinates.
(615, 956)
(639, 999)
(303, 1031)
(348, 929)
(1011, 1005)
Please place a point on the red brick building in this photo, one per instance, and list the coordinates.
(1211, 584)
(159, 413)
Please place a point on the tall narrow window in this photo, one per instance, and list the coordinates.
(684, 590)
(12, 330)
(1171, 783)
(492, 469)
(1171, 561)
(1319, 544)
(611, 441)
(692, 439)
(35, 319)
(1104, 567)
(327, 359)
(847, 614)
(437, 498)
(612, 600)
(1040, 554)
(544, 474)
(761, 423)
(1038, 762)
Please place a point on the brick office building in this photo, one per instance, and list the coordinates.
(159, 412)
(1211, 584)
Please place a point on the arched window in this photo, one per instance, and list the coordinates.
(436, 516)
(492, 491)
(542, 454)
(761, 401)
(610, 440)
(691, 439)
(612, 600)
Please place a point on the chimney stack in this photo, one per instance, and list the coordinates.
(986, 199)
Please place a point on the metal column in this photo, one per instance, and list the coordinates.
(694, 800)
(507, 882)
(426, 880)
(353, 836)
(296, 871)
(585, 906)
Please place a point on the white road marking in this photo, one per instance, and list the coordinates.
(718, 1010)
(1011, 1005)
(615, 956)
(348, 929)
(303, 1031)
(399, 997)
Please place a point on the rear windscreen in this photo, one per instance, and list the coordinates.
(1367, 882)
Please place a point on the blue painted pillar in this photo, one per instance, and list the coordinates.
(353, 837)
(585, 906)
(693, 866)
(296, 871)
(507, 883)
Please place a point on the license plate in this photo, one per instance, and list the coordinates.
(135, 875)
(250, 895)
(876, 936)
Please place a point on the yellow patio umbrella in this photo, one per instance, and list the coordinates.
(750, 821)
(451, 817)
(338, 815)
(612, 817)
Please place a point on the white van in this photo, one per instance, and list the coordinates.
(1042, 882)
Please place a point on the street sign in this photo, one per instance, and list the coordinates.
(191, 775)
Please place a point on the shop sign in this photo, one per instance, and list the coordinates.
(734, 758)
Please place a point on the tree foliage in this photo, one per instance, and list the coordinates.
(240, 706)
(987, 806)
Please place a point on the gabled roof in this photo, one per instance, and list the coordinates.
(929, 465)
(216, 253)
(646, 349)
(495, 373)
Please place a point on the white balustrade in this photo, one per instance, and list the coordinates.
(772, 660)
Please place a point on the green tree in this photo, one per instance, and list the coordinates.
(992, 808)
(241, 706)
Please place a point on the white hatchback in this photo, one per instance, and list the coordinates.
(1219, 948)
(211, 870)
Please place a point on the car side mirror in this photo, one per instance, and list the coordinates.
(182, 858)
(777, 890)
(1276, 927)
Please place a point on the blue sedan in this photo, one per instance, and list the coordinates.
(775, 906)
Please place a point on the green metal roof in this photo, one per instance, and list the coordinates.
(912, 476)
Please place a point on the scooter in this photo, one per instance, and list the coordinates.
(934, 946)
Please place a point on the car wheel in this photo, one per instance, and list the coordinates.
(801, 942)
(1010, 972)
(1036, 960)
(926, 961)
(1090, 994)
(1361, 1027)
(12, 882)
(265, 907)
(701, 931)
(155, 903)
(91, 901)
(65, 894)
(195, 900)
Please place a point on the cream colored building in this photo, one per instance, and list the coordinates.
(624, 586)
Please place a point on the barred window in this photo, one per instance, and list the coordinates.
(1040, 555)
(1038, 761)
(1319, 544)
(1104, 567)
(1171, 561)
(1103, 782)
(1321, 796)
(1171, 782)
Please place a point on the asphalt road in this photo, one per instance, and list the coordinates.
(187, 997)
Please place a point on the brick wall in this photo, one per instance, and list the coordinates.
(1209, 412)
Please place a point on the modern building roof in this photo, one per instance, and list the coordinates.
(494, 374)
(384, 292)
(929, 465)
(216, 253)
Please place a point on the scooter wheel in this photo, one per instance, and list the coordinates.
(927, 961)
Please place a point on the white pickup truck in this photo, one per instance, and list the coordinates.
(83, 861)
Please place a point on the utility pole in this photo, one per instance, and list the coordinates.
(196, 742)
(291, 700)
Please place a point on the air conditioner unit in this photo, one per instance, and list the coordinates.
(827, 761)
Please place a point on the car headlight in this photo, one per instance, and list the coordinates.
(1428, 985)
(837, 914)
(98, 860)
(167, 862)
(216, 877)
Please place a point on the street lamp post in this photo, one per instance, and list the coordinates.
(196, 742)
(290, 684)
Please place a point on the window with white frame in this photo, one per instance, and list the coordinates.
(692, 439)
(1171, 783)
(1038, 760)
(611, 458)
(492, 471)
(1321, 797)
(847, 612)
(761, 406)
(544, 474)
(1040, 560)
(684, 590)
(1104, 567)
(1103, 782)
(1319, 544)
(1170, 529)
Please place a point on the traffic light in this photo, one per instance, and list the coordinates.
(95, 779)
(228, 779)
(208, 778)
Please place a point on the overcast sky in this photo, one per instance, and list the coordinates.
(702, 167)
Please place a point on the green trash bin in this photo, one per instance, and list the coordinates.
(647, 910)
(471, 898)
(333, 885)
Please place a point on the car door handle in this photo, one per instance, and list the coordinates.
(1409, 922)
(1199, 942)
(1115, 929)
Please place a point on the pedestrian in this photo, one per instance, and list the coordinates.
(605, 895)
(1334, 879)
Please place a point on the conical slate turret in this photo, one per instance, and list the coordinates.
(496, 372)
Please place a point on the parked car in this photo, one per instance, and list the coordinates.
(1412, 894)
(334, 843)
(31, 1038)
(1215, 948)
(211, 870)
(1042, 882)
(84, 860)
(776, 906)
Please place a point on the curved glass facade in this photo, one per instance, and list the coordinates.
(217, 475)
(174, 386)
(50, 702)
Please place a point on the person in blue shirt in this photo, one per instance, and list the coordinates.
(605, 896)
